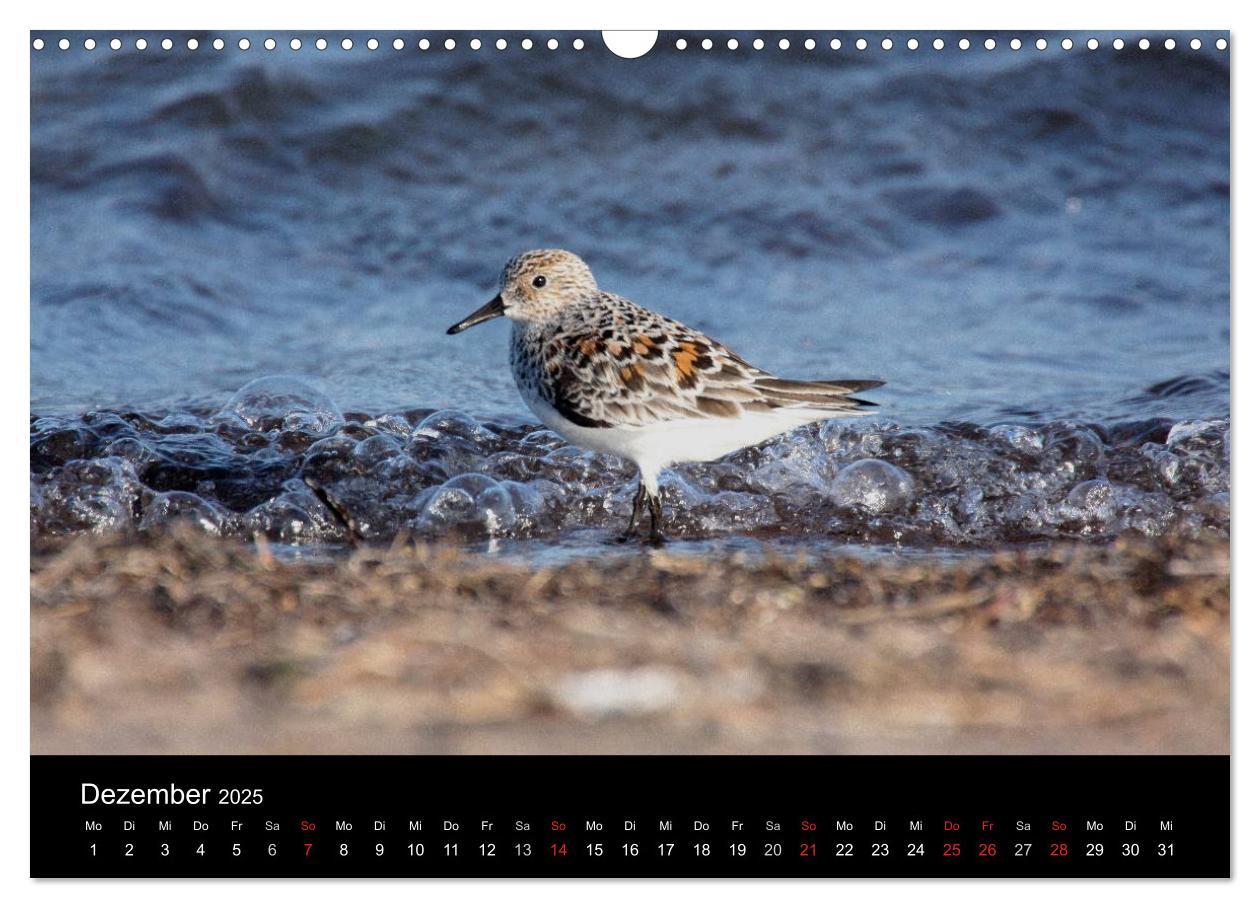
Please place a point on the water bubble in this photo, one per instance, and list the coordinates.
(1196, 434)
(294, 516)
(498, 510)
(1021, 438)
(1093, 500)
(376, 448)
(797, 465)
(53, 444)
(529, 501)
(472, 501)
(87, 496)
(1167, 464)
(453, 424)
(391, 423)
(167, 507)
(876, 485)
(283, 402)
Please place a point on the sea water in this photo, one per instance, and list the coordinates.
(243, 264)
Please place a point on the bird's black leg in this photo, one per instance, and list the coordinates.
(635, 512)
(654, 511)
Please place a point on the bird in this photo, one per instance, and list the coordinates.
(610, 375)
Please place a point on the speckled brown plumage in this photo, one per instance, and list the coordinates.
(612, 362)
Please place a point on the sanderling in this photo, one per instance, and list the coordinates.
(611, 376)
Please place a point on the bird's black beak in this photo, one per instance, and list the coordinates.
(492, 309)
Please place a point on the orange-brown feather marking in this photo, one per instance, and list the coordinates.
(685, 361)
(645, 346)
(631, 376)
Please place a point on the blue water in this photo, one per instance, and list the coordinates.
(1028, 239)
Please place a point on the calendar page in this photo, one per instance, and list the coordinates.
(538, 453)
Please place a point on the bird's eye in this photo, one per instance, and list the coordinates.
(540, 281)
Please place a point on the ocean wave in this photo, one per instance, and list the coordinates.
(1040, 217)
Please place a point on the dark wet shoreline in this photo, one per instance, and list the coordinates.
(280, 460)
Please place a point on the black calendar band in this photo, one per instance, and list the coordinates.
(664, 816)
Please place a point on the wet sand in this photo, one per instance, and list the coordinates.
(183, 643)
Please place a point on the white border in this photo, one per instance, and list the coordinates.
(657, 14)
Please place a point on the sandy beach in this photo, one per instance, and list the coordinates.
(182, 643)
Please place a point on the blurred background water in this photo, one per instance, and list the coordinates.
(1027, 246)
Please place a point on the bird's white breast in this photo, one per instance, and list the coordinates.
(661, 444)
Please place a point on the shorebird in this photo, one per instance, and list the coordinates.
(610, 375)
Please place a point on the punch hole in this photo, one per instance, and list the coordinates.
(475, 44)
(373, 44)
(270, 44)
(38, 44)
(938, 44)
(913, 44)
(89, 44)
(142, 44)
(552, 44)
(424, 44)
(1066, 43)
(861, 44)
(1042, 44)
(193, 43)
(1144, 44)
(1016, 44)
(1170, 44)
(501, 44)
(758, 44)
(707, 44)
(398, 44)
(295, 44)
(347, 44)
(578, 44)
(886, 44)
(449, 43)
(321, 44)
(64, 44)
(1118, 44)
(1092, 44)
(680, 44)
(784, 44)
(963, 44)
(115, 44)
(243, 44)
(629, 44)
(1195, 44)
(732, 44)
(1221, 44)
(989, 44)
(835, 43)
(528, 44)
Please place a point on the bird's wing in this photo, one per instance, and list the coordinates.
(633, 367)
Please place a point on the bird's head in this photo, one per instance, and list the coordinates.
(534, 287)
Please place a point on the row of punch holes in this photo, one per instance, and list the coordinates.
(449, 44)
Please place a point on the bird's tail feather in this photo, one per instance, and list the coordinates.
(820, 395)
